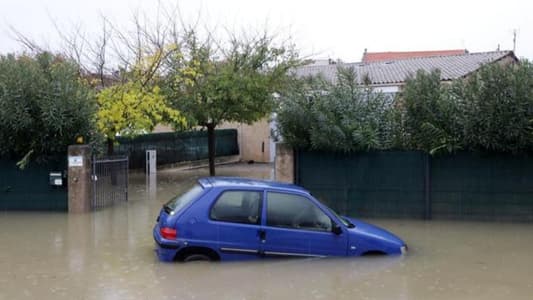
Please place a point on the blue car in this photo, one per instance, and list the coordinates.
(225, 218)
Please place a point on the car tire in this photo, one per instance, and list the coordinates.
(197, 257)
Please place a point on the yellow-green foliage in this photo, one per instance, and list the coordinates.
(130, 109)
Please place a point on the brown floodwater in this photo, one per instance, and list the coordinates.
(109, 254)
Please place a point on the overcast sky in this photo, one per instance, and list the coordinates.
(326, 29)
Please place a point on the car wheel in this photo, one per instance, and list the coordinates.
(197, 257)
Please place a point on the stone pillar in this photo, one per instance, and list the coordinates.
(79, 178)
(284, 163)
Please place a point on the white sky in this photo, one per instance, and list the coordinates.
(335, 28)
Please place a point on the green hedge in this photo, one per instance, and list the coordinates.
(489, 111)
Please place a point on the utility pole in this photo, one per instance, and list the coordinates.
(514, 40)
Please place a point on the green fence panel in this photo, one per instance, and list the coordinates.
(374, 184)
(482, 187)
(174, 147)
(30, 189)
(466, 186)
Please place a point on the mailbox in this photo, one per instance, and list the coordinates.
(56, 179)
(151, 162)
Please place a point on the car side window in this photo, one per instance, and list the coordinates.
(294, 211)
(237, 207)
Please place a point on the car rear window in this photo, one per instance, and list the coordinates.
(179, 202)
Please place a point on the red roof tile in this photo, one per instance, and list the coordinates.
(389, 56)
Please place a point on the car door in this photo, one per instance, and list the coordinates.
(295, 225)
(237, 216)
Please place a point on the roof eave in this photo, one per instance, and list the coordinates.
(509, 54)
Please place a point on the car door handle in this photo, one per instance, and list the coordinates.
(262, 234)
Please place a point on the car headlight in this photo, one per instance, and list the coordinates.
(403, 249)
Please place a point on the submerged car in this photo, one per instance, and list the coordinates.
(225, 218)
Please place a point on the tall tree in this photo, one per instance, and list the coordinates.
(212, 83)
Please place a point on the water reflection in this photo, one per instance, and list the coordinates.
(151, 186)
(109, 254)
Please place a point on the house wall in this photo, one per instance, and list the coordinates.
(254, 140)
(162, 128)
(387, 88)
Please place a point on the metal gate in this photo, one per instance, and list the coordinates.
(110, 181)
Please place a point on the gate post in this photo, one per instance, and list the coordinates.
(79, 178)
(284, 169)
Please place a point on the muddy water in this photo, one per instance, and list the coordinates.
(109, 255)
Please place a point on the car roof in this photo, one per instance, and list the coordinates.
(239, 182)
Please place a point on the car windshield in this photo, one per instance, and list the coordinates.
(175, 204)
(343, 220)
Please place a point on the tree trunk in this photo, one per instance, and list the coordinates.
(211, 148)
(110, 145)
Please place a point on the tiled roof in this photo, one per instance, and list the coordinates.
(397, 71)
(369, 57)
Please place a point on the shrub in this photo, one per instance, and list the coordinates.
(491, 110)
(434, 115)
(499, 108)
(338, 117)
(44, 105)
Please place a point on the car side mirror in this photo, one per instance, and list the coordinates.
(336, 229)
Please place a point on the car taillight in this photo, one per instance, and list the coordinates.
(168, 233)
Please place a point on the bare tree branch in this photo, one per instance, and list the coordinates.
(24, 40)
